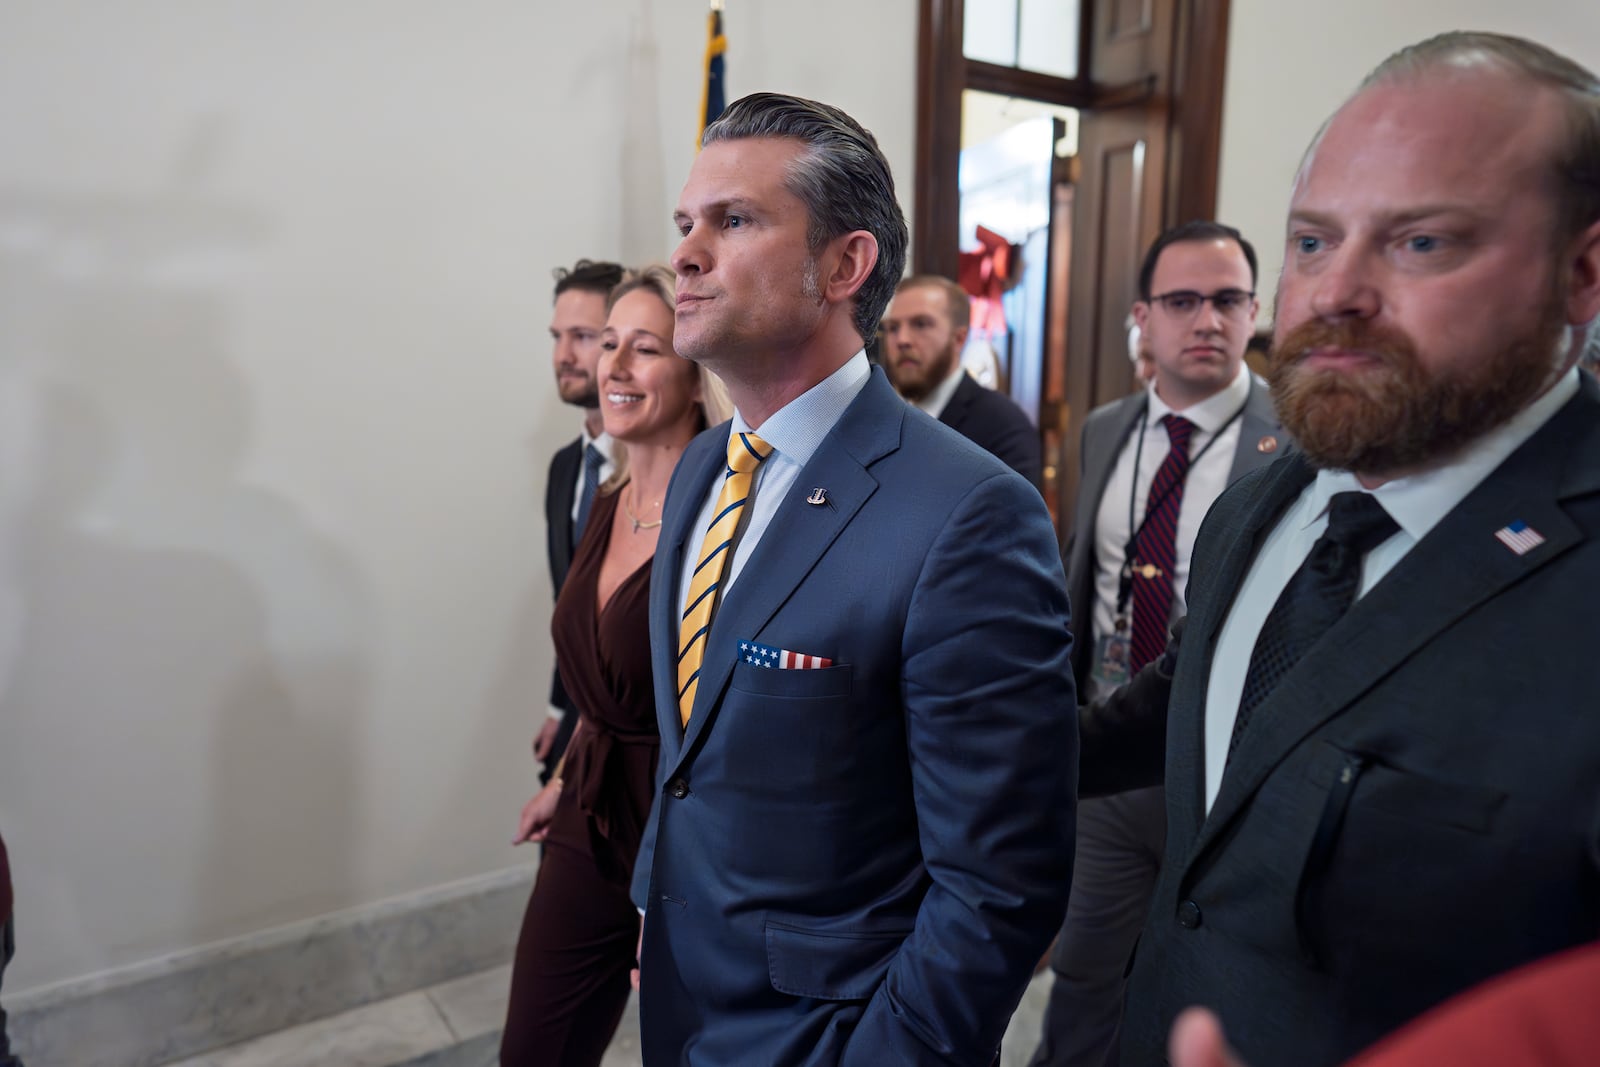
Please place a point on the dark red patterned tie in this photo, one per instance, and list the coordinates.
(1156, 547)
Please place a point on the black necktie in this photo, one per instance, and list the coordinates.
(1317, 596)
(593, 460)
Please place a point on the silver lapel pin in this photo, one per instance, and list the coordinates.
(818, 495)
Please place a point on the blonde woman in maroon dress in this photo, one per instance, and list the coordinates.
(570, 984)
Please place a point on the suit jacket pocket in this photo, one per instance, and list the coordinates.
(1412, 796)
(794, 683)
(829, 966)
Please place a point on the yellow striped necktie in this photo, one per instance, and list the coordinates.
(746, 452)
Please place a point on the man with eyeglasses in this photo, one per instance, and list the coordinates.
(1152, 465)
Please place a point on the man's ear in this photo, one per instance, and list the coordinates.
(1141, 316)
(853, 256)
(958, 336)
(1583, 284)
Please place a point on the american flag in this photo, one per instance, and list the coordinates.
(1519, 537)
(780, 658)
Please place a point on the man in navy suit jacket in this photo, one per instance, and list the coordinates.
(860, 859)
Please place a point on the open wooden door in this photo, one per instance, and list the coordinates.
(1148, 88)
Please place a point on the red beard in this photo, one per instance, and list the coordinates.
(1396, 416)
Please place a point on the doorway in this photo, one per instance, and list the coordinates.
(1136, 88)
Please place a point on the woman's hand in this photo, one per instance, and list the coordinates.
(537, 813)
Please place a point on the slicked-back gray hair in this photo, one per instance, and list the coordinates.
(843, 179)
(1576, 161)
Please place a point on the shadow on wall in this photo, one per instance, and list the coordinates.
(190, 679)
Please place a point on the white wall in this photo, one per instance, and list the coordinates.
(275, 405)
(1292, 62)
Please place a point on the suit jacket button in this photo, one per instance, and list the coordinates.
(678, 788)
(1189, 915)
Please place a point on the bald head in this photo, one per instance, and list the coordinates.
(1571, 157)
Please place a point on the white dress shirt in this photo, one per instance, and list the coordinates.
(938, 397)
(794, 433)
(1205, 481)
(1417, 504)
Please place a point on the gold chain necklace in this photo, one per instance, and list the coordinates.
(637, 525)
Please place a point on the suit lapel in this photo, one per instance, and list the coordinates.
(1255, 516)
(1258, 423)
(565, 473)
(796, 539)
(955, 409)
(1097, 467)
(1456, 568)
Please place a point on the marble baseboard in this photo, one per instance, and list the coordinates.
(192, 1003)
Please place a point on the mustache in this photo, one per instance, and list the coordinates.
(1390, 346)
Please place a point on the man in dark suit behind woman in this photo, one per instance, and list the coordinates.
(1381, 749)
(579, 467)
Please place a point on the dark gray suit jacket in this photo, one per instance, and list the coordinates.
(1415, 808)
(1105, 431)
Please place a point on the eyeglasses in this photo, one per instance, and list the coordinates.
(1185, 303)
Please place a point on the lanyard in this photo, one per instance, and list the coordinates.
(1125, 582)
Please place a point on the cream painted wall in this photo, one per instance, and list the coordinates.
(275, 406)
(1292, 62)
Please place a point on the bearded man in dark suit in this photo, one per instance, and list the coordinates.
(1381, 751)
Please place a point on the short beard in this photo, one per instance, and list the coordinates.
(1399, 417)
(589, 398)
(914, 387)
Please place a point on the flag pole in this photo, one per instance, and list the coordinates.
(712, 96)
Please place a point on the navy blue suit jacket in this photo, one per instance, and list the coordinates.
(862, 864)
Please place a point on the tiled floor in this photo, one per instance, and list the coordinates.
(454, 1025)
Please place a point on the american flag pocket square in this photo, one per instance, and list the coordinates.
(780, 658)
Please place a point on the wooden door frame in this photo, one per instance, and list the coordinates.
(1199, 68)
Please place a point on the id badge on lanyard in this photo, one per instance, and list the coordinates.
(1112, 655)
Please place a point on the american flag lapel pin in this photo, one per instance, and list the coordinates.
(1519, 537)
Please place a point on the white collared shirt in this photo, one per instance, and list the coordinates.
(794, 432)
(603, 443)
(939, 397)
(1417, 504)
(1205, 481)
